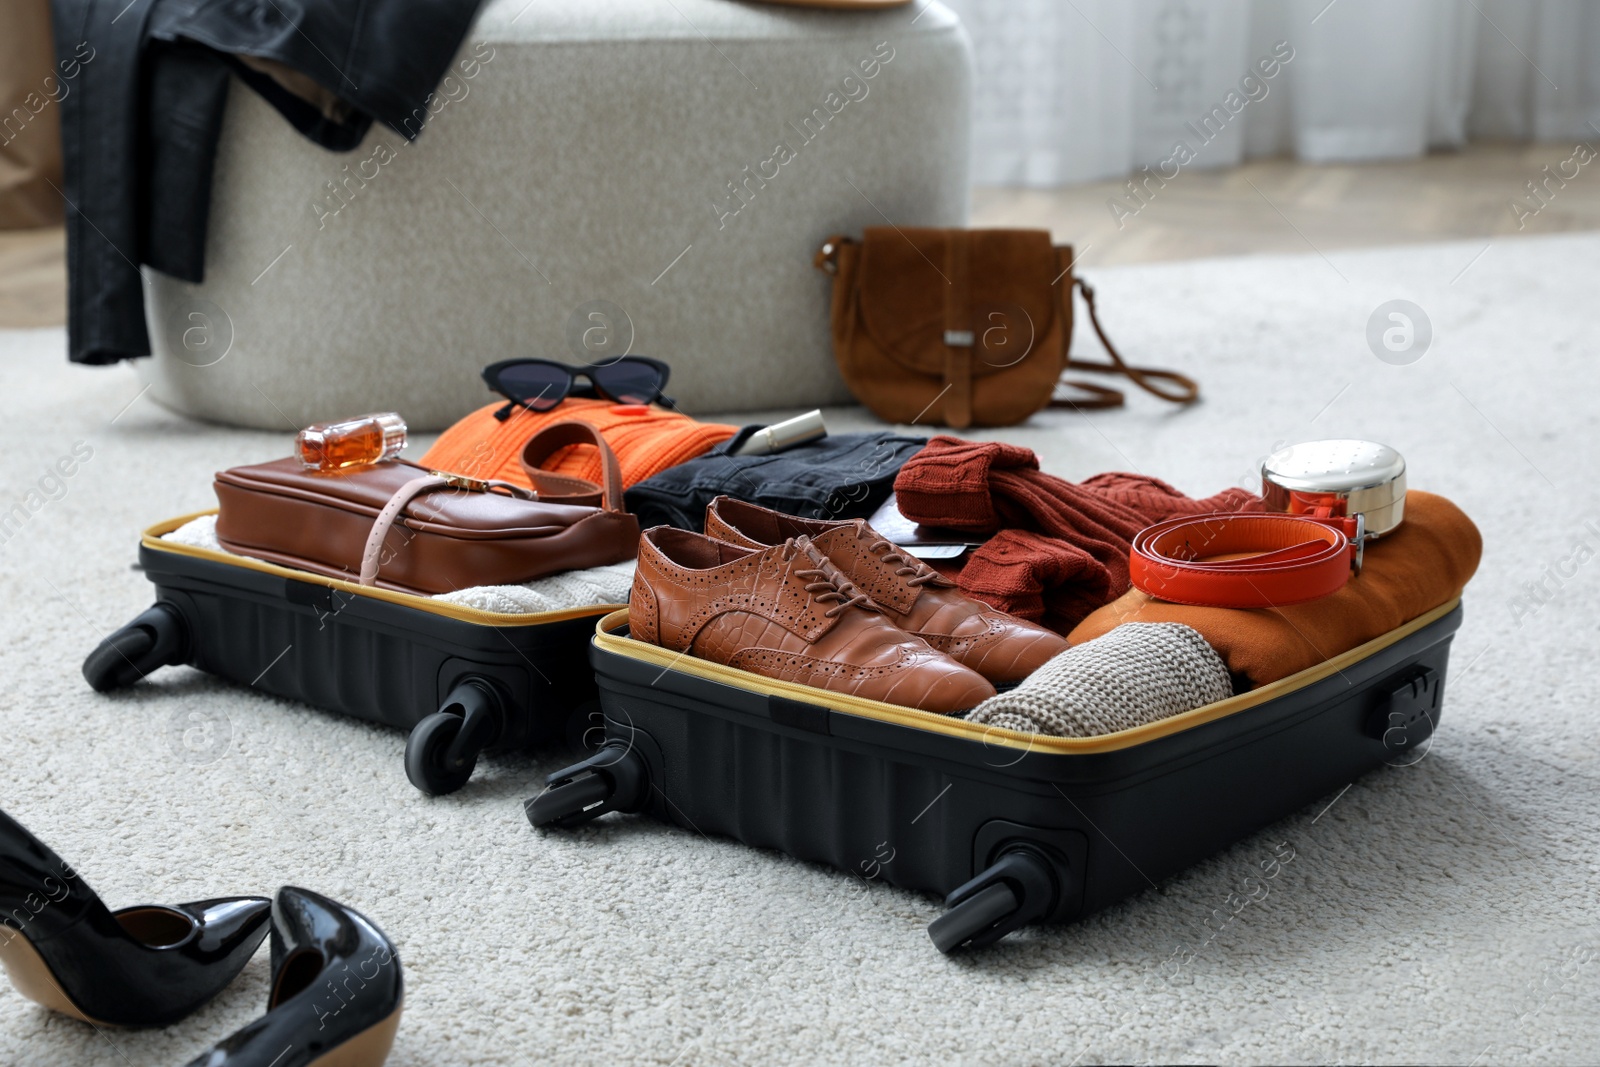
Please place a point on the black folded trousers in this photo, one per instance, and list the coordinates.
(842, 476)
(139, 129)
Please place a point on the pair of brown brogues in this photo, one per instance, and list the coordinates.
(826, 603)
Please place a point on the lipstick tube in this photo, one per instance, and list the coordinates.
(785, 434)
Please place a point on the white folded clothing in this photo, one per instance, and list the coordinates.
(557, 592)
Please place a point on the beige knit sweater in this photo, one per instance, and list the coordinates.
(1135, 674)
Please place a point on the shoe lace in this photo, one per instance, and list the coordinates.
(909, 567)
(827, 582)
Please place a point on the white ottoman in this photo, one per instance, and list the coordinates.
(595, 178)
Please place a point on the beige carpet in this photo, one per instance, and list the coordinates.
(1445, 912)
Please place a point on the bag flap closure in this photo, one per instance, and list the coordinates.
(908, 282)
(365, 490)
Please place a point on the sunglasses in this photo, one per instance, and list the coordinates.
(541, 384)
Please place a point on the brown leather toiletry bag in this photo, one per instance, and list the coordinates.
(400, 526)
(966, 327)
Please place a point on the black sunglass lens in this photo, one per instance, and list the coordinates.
(629, 382)
(537, 385)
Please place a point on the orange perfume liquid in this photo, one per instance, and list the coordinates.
(331, 446)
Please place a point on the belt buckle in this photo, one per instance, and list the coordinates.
(1360, 542)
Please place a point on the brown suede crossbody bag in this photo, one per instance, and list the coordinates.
(400, 526)
(967, 327)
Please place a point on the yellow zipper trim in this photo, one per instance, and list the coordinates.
(151, 539)
(995, 735)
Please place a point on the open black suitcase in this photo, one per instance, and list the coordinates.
(1011, 828)
(463, 681)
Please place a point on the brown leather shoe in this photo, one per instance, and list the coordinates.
(918, 599)
(786, 612)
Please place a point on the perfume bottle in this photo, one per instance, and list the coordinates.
(331, 446)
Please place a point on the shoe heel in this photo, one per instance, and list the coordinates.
(31, 976)
(370, 1048)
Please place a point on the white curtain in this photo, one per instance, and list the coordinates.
(1077, 90)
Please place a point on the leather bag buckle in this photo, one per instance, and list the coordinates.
(461, 481)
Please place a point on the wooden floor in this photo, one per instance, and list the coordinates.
(1273, 206)
(1261, 207)
(33, 278)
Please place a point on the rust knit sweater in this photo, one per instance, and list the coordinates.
(1058, 550)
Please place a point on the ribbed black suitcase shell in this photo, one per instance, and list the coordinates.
(464, 681)
(1061, 826)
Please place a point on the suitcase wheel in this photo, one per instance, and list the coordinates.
(443, 748)
(1017, 889)
(613, 779)
(154, 639)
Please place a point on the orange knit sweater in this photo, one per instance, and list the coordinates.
(647, 440)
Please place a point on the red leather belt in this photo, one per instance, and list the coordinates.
(1272, 559)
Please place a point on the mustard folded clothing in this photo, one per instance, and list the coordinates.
(1423, 564)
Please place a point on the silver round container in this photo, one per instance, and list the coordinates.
(1338, 478)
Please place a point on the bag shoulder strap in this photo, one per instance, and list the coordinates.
(1167, 384)
(372, 554)
(565, 489)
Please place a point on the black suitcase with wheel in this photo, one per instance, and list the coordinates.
(1010, 828)
(462, 681)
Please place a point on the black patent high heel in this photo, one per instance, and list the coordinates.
(337, 992)
(145, 966)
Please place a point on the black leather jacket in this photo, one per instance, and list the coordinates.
(139, 131)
